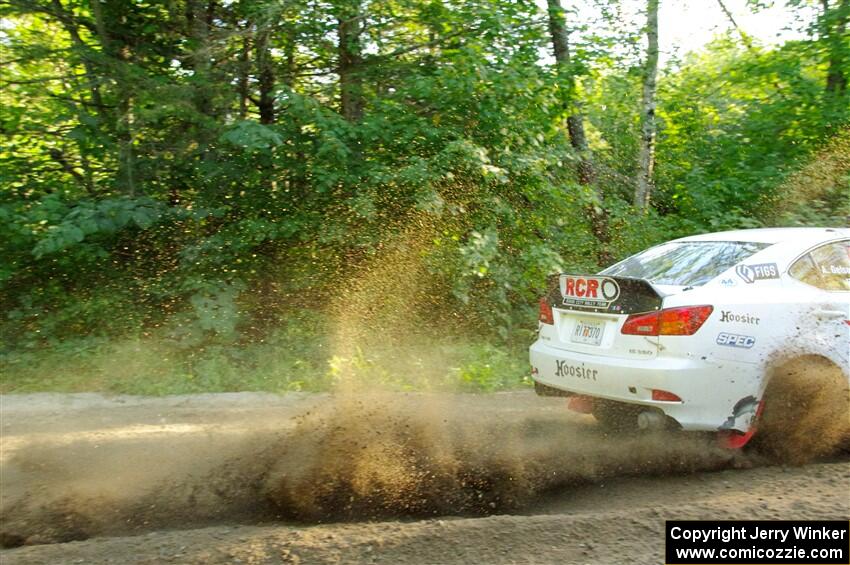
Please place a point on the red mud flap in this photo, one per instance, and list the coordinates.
(581, 404)
(733, 439)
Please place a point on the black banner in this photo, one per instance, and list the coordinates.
(626, 295)
(758, 542)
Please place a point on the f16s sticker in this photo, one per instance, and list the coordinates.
(735, 340)
(752, 273)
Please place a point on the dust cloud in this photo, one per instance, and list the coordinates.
(807, 411)
(359, 454)
(350, 457)
(385, 455)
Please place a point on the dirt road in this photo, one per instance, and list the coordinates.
(388, 478)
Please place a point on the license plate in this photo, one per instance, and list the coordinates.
(587, 332)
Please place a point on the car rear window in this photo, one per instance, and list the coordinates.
(690, 263)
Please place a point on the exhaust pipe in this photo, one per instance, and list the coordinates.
(651, 420)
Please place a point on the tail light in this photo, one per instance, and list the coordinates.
(664, 395)
(683, 321)
(642, 324)
(670, 321)
(546, 315)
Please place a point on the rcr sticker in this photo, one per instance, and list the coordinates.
(589, 292)
(752, 273)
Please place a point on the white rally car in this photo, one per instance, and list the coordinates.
(686, 333)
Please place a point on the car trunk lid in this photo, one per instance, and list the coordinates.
(589, 312)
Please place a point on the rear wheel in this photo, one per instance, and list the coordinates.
(806, 411)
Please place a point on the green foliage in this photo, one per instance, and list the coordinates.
(91, 219)
(252, 137)
(719, 170)
(296, 357)
(179, 180)
(490, 369)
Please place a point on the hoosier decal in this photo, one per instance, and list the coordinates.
(589, 292)
(564, 369)
(729, 316)
(752, 273)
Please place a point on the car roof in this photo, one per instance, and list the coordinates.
(773, 235)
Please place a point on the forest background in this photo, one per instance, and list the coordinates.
(217, 195)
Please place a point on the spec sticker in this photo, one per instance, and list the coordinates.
(589, 292)
(752, 273)
(735, 340)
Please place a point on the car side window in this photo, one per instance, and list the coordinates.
(826, 267)
(804, 269)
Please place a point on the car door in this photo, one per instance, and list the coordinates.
(821, 283)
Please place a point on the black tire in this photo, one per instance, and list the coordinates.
(806, 411)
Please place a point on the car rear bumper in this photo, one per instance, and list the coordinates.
(715, 396)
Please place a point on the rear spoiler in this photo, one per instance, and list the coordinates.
(602, 294)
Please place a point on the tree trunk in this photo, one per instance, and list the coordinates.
(575, 121)
(291, 70)
(126, 158)
(200, 17)
(244, 71)
(119, 51)
(646, 158)
(265, 73)
(835, 27)
(575, 125)
(350, 59)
